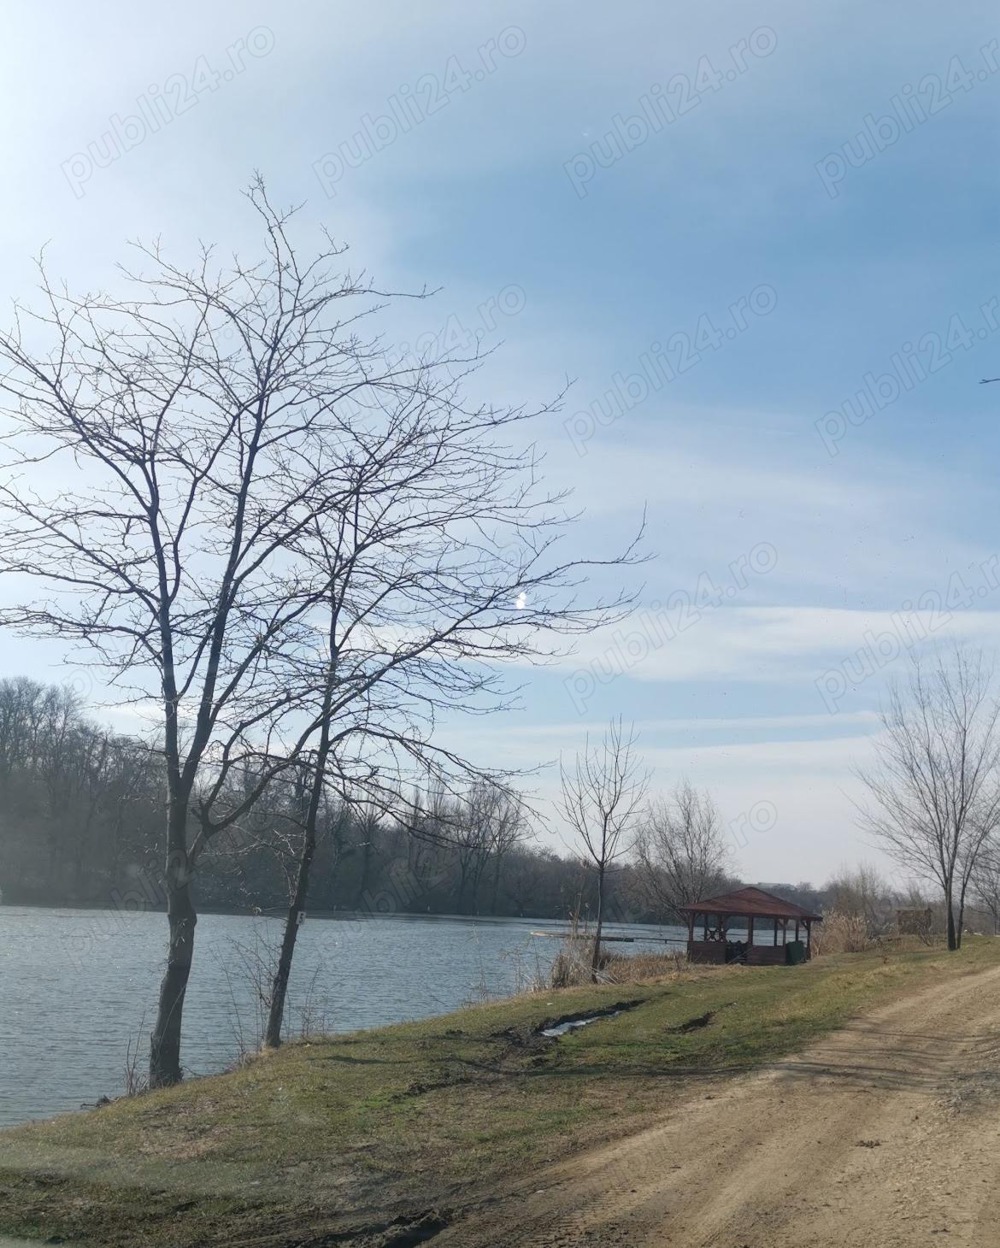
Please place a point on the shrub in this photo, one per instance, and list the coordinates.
(841, 933)
(572, 965)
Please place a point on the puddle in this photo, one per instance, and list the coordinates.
(553, 1033)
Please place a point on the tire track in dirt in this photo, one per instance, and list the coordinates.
(885, 1134)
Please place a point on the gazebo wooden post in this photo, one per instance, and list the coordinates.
(705, 929)
(796, 931)
(808, 923)
(775, 933)
(749, 931)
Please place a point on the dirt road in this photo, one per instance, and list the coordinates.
(885, 1135)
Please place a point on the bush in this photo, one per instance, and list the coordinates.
(572, 965)
(841, 933)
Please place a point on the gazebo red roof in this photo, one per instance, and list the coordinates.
(752, 902)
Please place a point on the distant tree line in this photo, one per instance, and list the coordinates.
(80, 805)
(81, 820)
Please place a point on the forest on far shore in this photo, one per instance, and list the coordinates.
(81, 824)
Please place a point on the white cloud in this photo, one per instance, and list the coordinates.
(774, 644)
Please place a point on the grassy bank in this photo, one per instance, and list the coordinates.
(348, 1139)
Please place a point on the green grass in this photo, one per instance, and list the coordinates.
(344, 1132)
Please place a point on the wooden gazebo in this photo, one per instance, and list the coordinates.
(714, 924)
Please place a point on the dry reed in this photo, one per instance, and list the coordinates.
(572, 966)
(841, 933)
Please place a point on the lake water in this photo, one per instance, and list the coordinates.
(77, 986)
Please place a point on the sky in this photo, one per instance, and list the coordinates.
(758, 238)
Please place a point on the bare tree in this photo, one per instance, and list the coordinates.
(935, 789)
(681, 850)
(508, 828)
(484, 825)
(262, 528)
(464, 823)
(986, 883)
(602, 794)
(862, 893)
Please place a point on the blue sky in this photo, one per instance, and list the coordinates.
(783, 243)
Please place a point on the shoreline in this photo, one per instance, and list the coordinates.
(352, 915)
(342, 1134)
(436, 966)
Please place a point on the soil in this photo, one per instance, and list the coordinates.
(884, 1135)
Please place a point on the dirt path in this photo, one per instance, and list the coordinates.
(885, 1135)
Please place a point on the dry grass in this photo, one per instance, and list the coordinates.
(841, 933)
(572, 966)
(640, 968)
(136, 1080)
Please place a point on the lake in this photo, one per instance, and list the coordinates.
(78, 987)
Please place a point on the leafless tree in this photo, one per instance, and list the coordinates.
(481, 826)
(262, 529)
(602, 795)
(507, 821)
(935, 789)
(986, 882)
(862, 893)
(468, 829)
(682, 850)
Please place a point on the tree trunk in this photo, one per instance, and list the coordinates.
(279, 988)
(496, 885)
(477, 882)
(366, 865)
(595, 961)
(961, 919)
(165, 1041)
(952, 939)
(460, 903)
